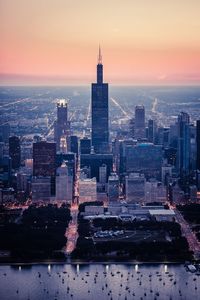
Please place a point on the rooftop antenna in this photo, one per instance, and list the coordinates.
(99, 56)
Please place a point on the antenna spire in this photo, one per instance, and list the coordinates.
(99, 56)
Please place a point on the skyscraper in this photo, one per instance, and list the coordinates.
(64, 183)
(4, 133)
(44, 161)
(183, 153)
(100, 127)
(139, 122)
(74, 144)
(15, 151)
(151, 131)
(85, 146)
(62, 125)
(198, 144)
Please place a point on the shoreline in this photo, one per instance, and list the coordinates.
(81, 262)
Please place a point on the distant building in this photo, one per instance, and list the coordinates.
(15, 151)
(198, 144)
(161, 215)
(5, 171)
(1, 150)
(62, 125)
(151, 131)
(103, 174)
(63, 144)
(44, 161)
(139, 128)
(87, 190)
(183, 154)
(73, 141)
(100, 121)
(4, 133)
(95, 161)
(144, 158)
(7, 195)
(64, 184)
(41, 188)
(193, 192)
(177, 195)
(69, 159)
(166, 173)
(113, 187)
(22, 181)
(85, 146)
(85, 173)
(155, 191)
(135, 187)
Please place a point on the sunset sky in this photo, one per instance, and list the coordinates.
(143, 41)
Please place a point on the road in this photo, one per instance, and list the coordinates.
(193, 242)
(15, 102)
(72, 233)
(121, 109)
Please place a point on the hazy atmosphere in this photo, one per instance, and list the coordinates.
(56, 42)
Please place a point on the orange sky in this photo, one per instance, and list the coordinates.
(143, 41)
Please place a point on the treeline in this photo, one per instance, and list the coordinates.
(39, 235)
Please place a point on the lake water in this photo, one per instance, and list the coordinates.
(98, 281)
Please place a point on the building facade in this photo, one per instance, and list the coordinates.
(100, 121)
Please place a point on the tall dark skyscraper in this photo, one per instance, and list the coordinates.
(139, 122)
(85, 146)
(151, 131)
(44, 159)
(198, 144)
(100, 126)
(183, 153)
(15, 151)
(62, 125)
(73, 144)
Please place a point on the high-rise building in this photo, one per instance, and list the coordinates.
(151, 131)
(41, 188)
(113, 187)
(139, 129)
(183, 153)
(85, 146)
(95, 161)
(62, 125)
(155, 191)
(15, 151)
(135, 187)
(44, 159)
(4, 133)
(73, 140)
(69, 159)
(100, 121)
(87, 190)
(145, 158)
(5, 171)
(103, 174)
(64, 184)
(1, 150)
(198, 144)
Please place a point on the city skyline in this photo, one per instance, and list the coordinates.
(149, 42)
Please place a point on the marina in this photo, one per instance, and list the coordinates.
(93, 281)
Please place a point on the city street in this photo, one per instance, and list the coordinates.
(193, 242)
(71, 232)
